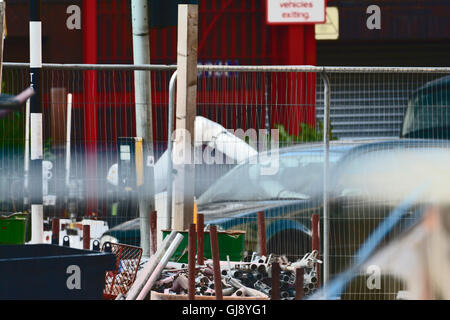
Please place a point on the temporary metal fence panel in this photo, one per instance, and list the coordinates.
(98, 119)
(374, 111)
(369, 109)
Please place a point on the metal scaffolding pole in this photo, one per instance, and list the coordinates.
(142, 85)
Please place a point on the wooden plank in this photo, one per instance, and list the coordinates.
(183, 190)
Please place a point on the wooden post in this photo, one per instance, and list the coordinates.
(262, 234)
(191, 262)
(183, 195)
(275, 281)
(55, 231)
(86, 237)
(216, 262)
(200, 239)
(299, 274)
(153, 233)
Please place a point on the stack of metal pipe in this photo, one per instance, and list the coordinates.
(243, 279)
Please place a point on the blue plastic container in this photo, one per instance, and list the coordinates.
(50, 272)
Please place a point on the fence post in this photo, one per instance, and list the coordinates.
(326, 146)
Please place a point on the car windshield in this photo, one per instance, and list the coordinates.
(427, 116)
(298, 175)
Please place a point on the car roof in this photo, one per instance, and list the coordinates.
(402, 143)
(335, 146)
(434, 85)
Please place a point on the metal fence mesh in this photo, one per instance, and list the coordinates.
(120, 280)
(387, 108)
(370, 105)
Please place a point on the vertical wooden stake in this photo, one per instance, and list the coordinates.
(299, 274)
(55, 231)
(191, 262)
(262, 234)
(216, 263)
(275, 281)
(153, 233)
(183, 191)
(200, 239)
(87, 237)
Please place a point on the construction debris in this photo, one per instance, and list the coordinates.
(243, 279)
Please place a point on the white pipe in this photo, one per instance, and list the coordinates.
(37, 224)
(162, 264)
(219, 138)
(249, 292)
(170, 126)
(145, 274)
(27, 143)
(68, 133)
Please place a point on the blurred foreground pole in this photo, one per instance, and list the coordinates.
(2, 37)
(36, 133)
(183, 190)
(143, 107)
